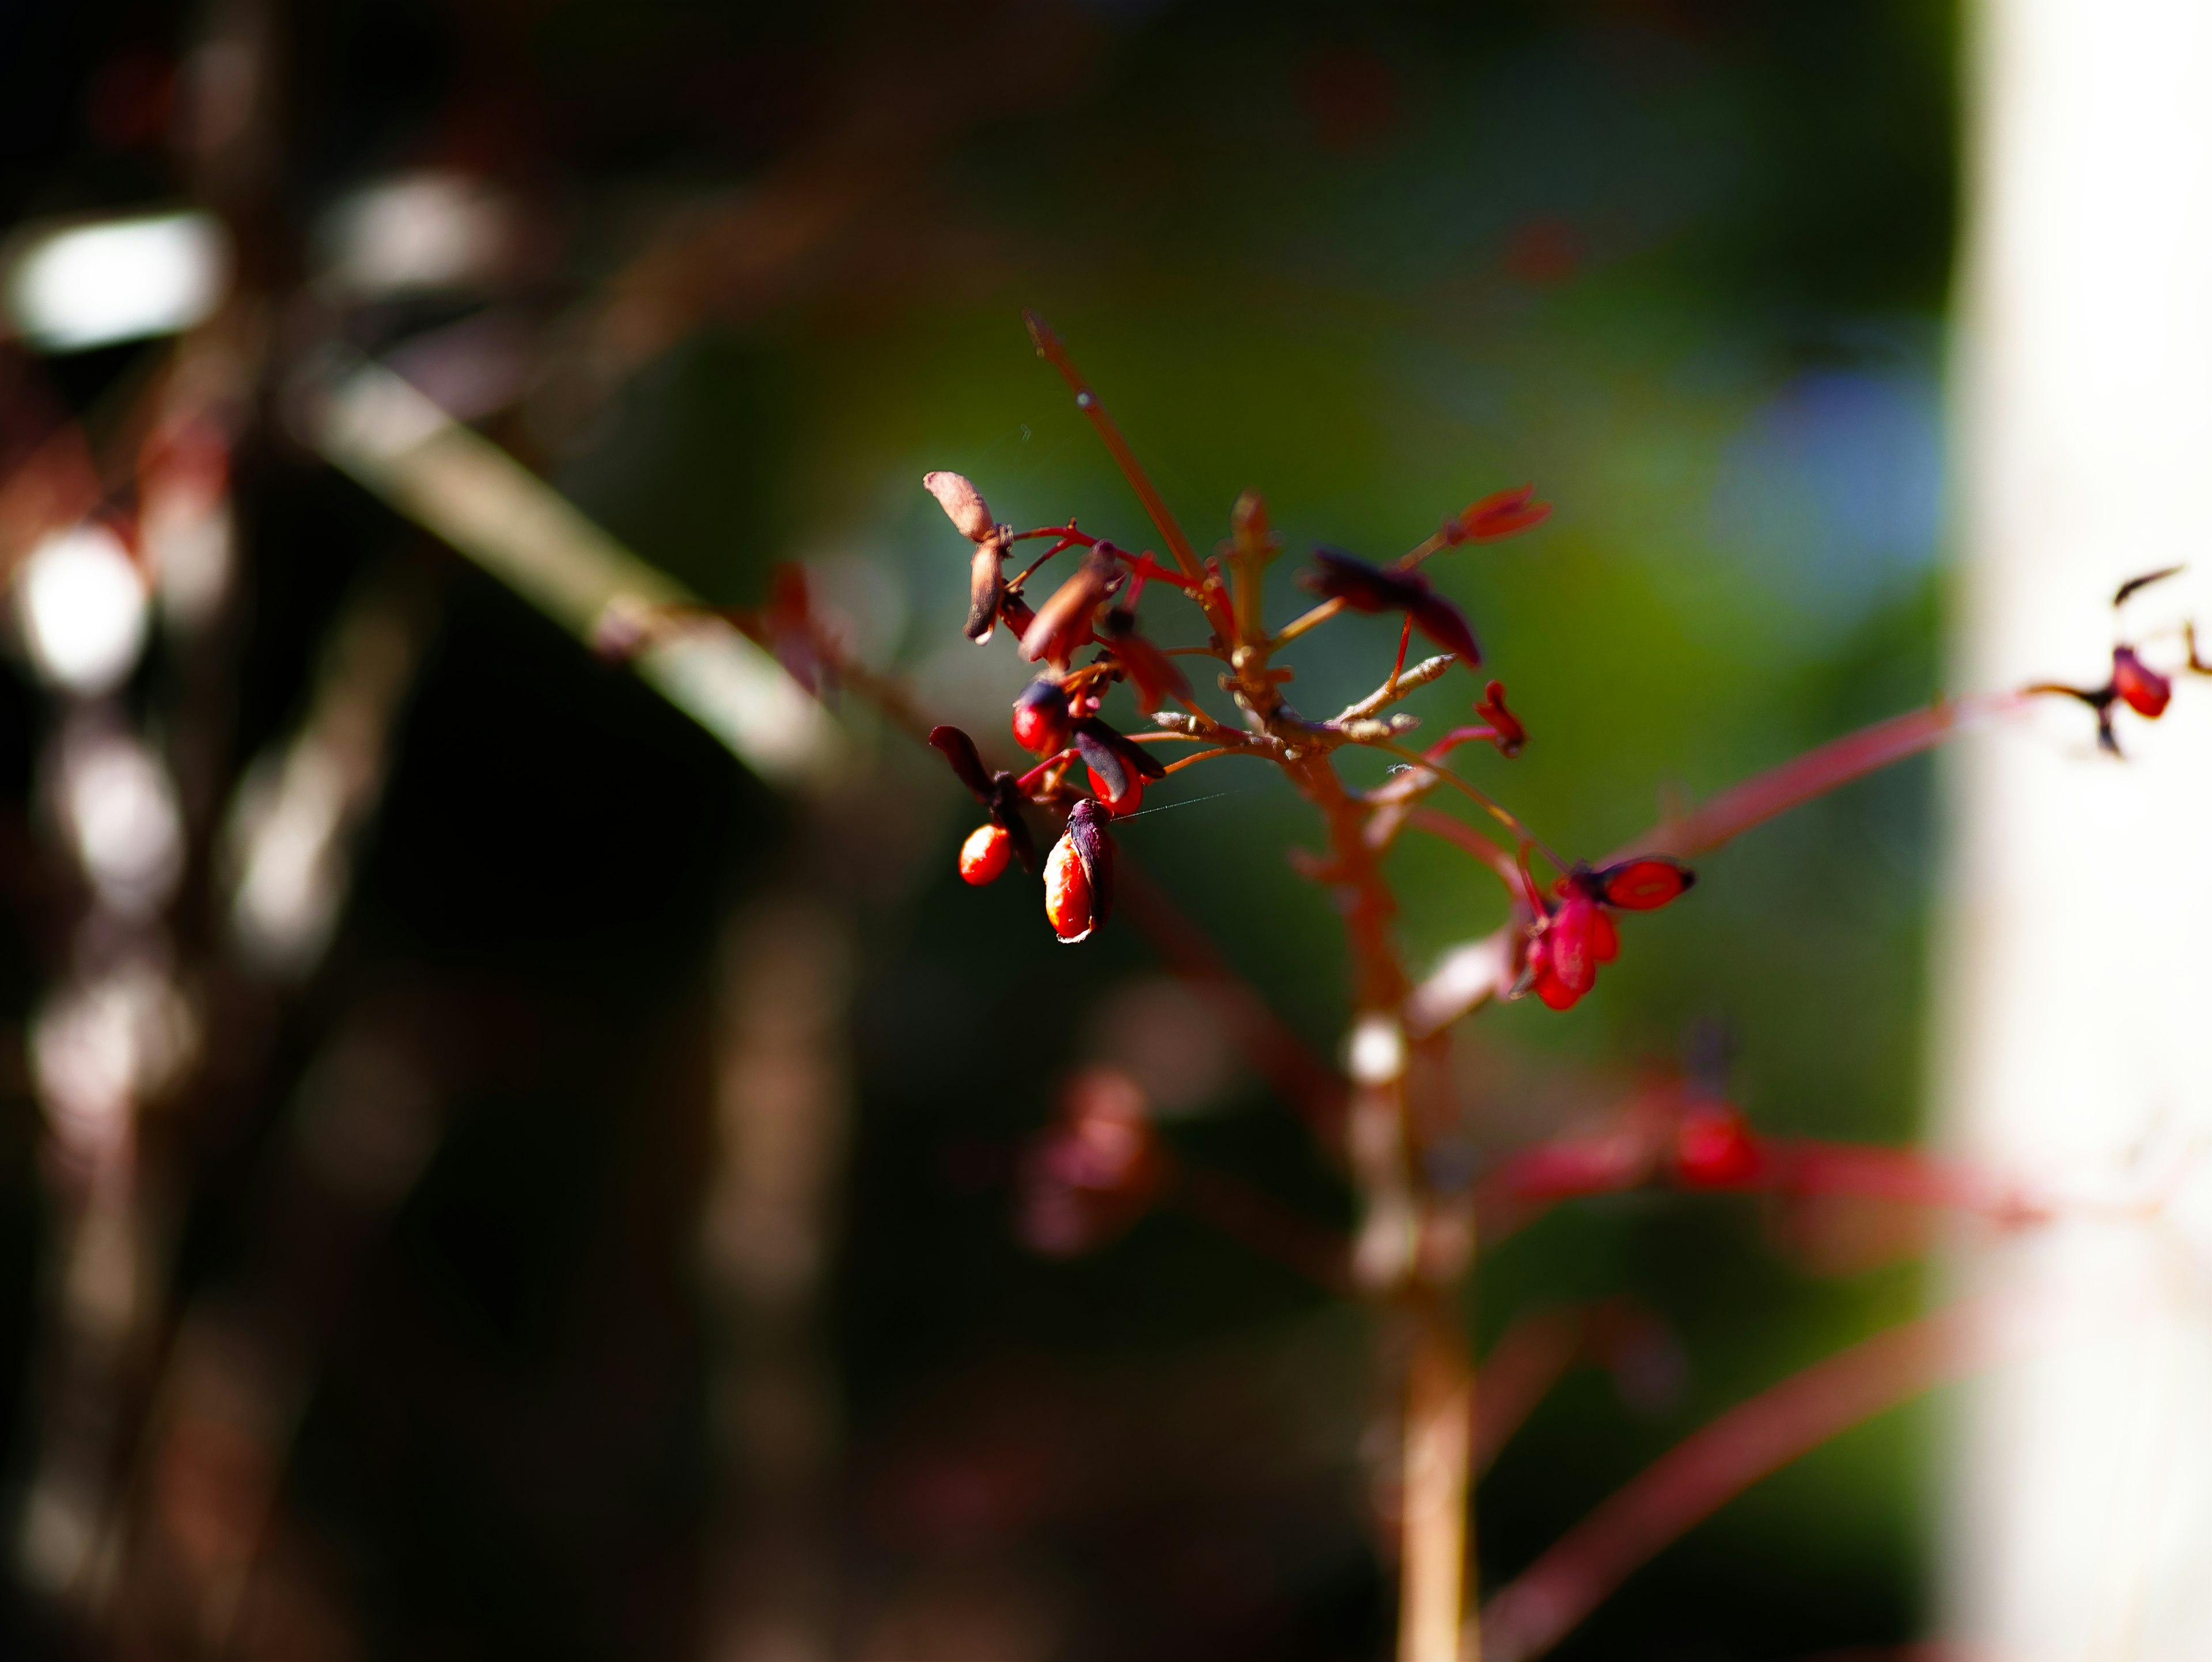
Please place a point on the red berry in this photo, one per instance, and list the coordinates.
(985, 853)
(2144, 690)
(1067, 892)
(1604, 939)
(1133, 792)
(1040, 718)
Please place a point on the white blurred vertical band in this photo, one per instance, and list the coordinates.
(2075, 969)
(474, 496)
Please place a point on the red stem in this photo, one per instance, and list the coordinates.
(1699, 1476)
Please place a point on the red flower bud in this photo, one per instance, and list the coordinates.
(1715, 1148)
(1639, 885)
(2143, 689)
(1499, 514)
(1511, 735)
(1078, 874)
(963, 504)
(1040, 717)
(985, 853)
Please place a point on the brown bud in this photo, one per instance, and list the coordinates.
(986, 587)
(1063, 623)
(962, 503)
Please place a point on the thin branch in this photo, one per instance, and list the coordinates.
(1697, 1476)
(1816, 773)
(1462, 835)
(1050, 349)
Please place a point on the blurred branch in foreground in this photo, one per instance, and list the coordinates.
(375, 427)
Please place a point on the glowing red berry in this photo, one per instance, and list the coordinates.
(2141, 687)
(1132, 794)
(985, 853)
(1040, 717)
(1078, 874)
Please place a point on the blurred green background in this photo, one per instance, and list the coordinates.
(1683, 262)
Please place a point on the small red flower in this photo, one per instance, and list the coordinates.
(2142, 688)
(1511, 736)
(1577, 935)
(1370, 588)
(983, 856)
(1499, 514)
(1078, 874)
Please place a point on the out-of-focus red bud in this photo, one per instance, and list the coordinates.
(963, 504)
(1040, 717)
(1498, 515)
(1511, 735)
(985, 853)
(1370, 588)
(1063, 623)
(1715, 1148)
(1087, 1178)
(1153, 674)
(1642, 885)
(1078, 874)
(2142, 688)
(1570, 949)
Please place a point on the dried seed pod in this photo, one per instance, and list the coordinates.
(984, 855)
(962, 503)
(986, 588)
(1117, 765)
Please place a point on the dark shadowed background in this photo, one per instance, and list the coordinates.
(755, 269)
